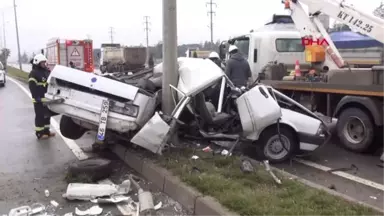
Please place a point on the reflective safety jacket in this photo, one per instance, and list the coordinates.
(38, 83)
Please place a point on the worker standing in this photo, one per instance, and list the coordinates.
(38, 86)
(237, 68)
(214, 56)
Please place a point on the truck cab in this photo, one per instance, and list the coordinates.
(280, 42)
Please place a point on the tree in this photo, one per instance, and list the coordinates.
(4, 55)
(338, 27)
(24, 58)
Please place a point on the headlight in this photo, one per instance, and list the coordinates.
(124, 108)
(321, 130)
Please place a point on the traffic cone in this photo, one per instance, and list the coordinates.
(297, 69)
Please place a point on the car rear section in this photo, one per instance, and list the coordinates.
(84, 96)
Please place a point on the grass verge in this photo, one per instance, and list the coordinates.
(17, 73)
(255, 193)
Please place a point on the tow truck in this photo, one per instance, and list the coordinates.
(353, 96)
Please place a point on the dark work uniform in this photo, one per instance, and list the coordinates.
(38, 86)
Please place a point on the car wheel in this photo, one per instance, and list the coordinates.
(2, 84)
(355, 130)
(95, 169)
(271, 148)
(70, 129)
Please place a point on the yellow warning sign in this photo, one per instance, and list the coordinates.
(75, 52)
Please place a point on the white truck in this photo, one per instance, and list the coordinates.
(354, 96)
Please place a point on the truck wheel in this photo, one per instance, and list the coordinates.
(103, 69)
(270, 148)
(69, 129)
(94, 168)
(355, 130)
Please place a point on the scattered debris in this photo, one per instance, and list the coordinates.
(158, 206)
(246, 166)
(225, 153)
(112, 199)
(332, 187)
(54, 203)
(108, 214)
(353, 168)
(82, 191)
(68, 214)
(94, 210)
(195, 157)
(46, 192)
(268, 169)
(207, 149)
(373, 197)
(27, 210)
(145, 197)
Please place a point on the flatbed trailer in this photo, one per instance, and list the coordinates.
(358, 108)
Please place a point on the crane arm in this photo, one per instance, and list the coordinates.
(311, 26)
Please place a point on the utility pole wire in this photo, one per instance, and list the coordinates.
(147, 29)
(211, 13)
(111, 32)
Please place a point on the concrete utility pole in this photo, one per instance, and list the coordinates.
(4, 35)
(170, 75)
(111, 32)
(211, 13)
(147, 29)
(17, 35)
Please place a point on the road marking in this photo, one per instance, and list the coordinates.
(343, 174)
(72, 145)
(77, 151)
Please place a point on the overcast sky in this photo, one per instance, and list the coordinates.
(40, 20)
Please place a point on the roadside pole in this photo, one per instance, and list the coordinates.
(17, 35)
(169, 53)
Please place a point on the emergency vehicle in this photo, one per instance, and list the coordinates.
(62, 52)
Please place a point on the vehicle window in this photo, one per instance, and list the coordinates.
(243, 46)
(289, 45)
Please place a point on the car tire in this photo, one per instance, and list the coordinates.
(268, 149)
(2, 85)
(350, 119)
(95, 168)
(69, 129)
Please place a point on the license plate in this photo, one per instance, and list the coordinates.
(103, 121)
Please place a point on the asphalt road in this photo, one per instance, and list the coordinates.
(29, 167)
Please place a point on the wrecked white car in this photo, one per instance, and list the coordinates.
(208, 106)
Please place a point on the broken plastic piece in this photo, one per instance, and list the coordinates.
(195, 157)
(20, 211)
(54, 203)
(68, 214)
(94, 210)
(246, 166)
(46, 192)
(158, 206)
(37, 208)
(82, 191)
(207, 149)
(268, 169)
(113, 199)
(224, 152)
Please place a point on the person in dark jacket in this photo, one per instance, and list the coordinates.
(237, 68)
(38, 86)
(71, 64)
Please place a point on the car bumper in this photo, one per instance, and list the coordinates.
(310, 142)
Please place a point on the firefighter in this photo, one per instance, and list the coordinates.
(38, 86)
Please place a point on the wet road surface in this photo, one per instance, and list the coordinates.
(29, 167)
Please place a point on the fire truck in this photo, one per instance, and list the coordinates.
(63, 51)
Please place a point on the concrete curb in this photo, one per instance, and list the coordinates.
(171, 185)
